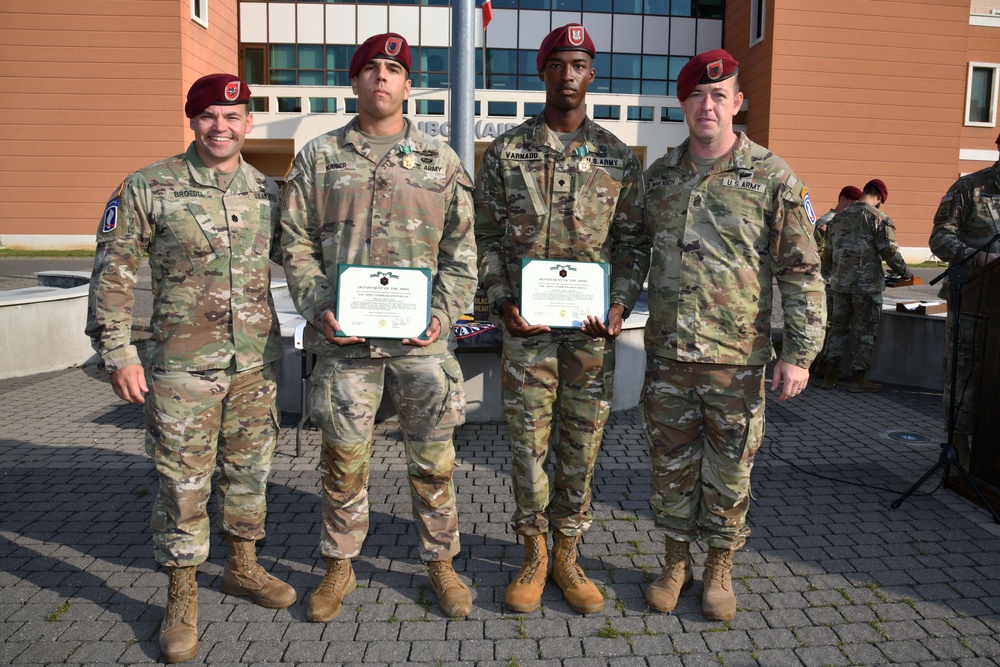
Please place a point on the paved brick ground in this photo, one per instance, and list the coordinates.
(831, 575)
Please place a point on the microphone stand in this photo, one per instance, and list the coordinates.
(949, 455)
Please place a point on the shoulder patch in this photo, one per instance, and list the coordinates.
(948, 197)
(807, 203)
(110, 218)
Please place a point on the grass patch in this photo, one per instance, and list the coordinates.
(60, 610)
(13, 252)
(609, 631)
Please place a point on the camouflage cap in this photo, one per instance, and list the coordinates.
(707, 67)
(388, 45)
(570, 37)
(222, 89)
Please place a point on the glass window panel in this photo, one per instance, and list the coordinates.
(527, 61)
(680, 8)
(650, 87)
(283, 56)
(289, 104)
(655, 67)
(312, 78)
(430, 107)
(258, 104)
(434, 59)
(567, 5)
(532, 82)
(501, 61)
(496, 108)
(710, 9)
(504, 4)
(607, 112)
(501, 81)
(478, 107)
(980, 95)
(337, 79)
(283, 77)
(657, 7)
(676, 65)
(597, 5)
(432, 80)
(625, 86)
(339, 57)
(600, 85)
(311, 56)
(253, 66)
(323, 104)
(602, 63)
(626, 65)
(436, 3)
(536, 4)
(640, 113)
(628, 6)
(533, 108)
(351, 105)
(671, 115)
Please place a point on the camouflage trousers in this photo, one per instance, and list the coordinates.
(569, 375)
(704, 424)
(193, 421)
(855, 317)
(971, 339)
(429, 396)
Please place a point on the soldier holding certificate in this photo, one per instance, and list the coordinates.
(381, 194)
(558, 187)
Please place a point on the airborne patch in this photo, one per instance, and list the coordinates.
(807, 203)
(110, 218)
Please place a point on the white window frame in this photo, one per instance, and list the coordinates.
(202, 18)
(993, 99)
(758, 21)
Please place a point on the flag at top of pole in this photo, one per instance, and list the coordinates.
(487, 12)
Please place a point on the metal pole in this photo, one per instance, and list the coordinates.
(463, 81)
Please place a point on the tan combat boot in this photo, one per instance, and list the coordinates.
(677, 576)
(524, 593)
(831, 374)
(245, 577)
(454, 596)
(179, 629)
(718, 602)
(580, 592)
(324, 603)
(860, 384)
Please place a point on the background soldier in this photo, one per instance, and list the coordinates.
(848, 195)
(378, 191)
(968, 217)
(558, 187)
(727, 217)
(858, 239)
(209, 223)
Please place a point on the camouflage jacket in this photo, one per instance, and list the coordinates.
(209, 254)
(822, 224)
(534, 200)
(858, 239)
(967, 217)
(718, 242)
(341, 207)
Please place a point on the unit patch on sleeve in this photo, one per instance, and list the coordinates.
(110, 218)
(807, 203)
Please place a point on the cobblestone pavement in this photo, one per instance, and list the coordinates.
(830, 576)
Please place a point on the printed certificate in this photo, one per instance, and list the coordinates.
(561, 293)
(383, 301)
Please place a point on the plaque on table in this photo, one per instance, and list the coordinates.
(383, 301)
(560, 293)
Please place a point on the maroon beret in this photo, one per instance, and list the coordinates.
(850, 192)
(707, 67)
(221, 89)
(570, 37)
(880, 186)
(388, 45)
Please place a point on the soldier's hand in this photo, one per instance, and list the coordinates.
(517, 325)
(330, 328)
(129, 383)
(985, 258)
(908, 274)
(432, 332)
(791, 378)
(594, 327)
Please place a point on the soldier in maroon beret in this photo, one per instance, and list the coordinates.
(729, 219)
(558, 187)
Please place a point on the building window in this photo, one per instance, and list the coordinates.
(757, 20)
(671, 115)
(981, 95)
(640, 113)
(607, 112)
(199, 12)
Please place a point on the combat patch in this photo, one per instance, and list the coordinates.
(807, 203)
(110, 218)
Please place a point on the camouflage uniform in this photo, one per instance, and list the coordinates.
(820, 234)
(859, 238)
(968, 217)
(214, 339)
(533, 200)
(340, 206)
(718, 241)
